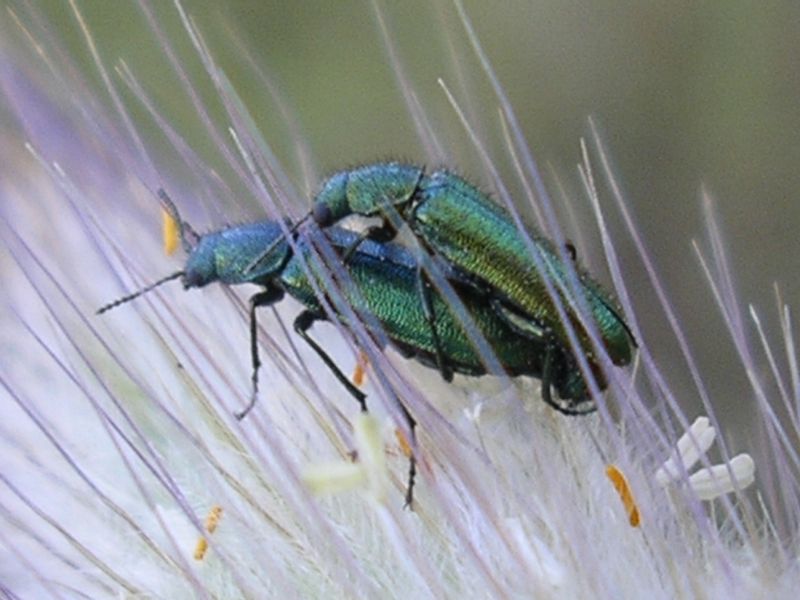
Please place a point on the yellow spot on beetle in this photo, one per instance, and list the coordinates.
(624, 491)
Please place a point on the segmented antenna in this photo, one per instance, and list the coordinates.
(183, 228)
(130, 297)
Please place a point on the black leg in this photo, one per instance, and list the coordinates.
(424, 293)
(547, 378)
(302, 324)
(412, 461)
(571, 406)
(383, 233)
(270, 295)
(520, 322)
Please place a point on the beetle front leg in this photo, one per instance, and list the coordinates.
(269, 296)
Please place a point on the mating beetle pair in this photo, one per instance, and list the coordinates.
(485, 260)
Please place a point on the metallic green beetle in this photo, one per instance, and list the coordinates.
(454, 220)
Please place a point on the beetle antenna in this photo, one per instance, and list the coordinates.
(144, 290)
(183, 226)
(260, 258)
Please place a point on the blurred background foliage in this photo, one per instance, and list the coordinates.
(687, 93)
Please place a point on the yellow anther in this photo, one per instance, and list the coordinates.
(624, 491)
(169, 232)
(361, 365)
(405, 447)
(210, 524)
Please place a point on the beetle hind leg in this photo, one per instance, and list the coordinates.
(302, 324)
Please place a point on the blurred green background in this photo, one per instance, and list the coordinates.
(687, 94)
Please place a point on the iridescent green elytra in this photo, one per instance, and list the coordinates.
(384, 292)
(456, 221)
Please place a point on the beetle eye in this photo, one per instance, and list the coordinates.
(321, 213)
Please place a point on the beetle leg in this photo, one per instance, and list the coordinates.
(520, 322)
(424, 292)
(572, 404)
(269, 296)
(412, 461)
(547, 377)
(378, 233)
(302, 324)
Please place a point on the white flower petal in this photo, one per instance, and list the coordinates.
(711, 483)
(371, 455)
(690, 447)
